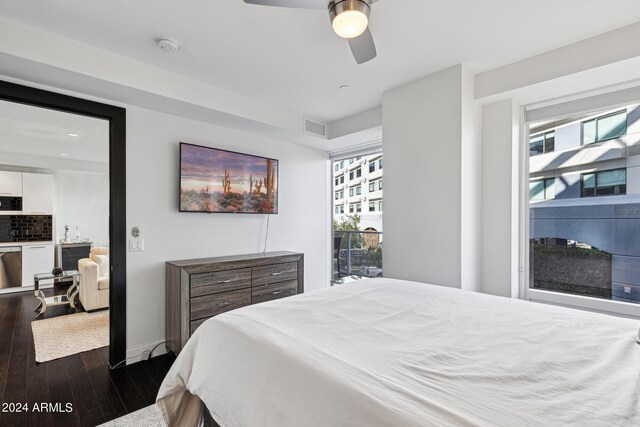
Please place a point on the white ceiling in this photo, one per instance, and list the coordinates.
(291, 58)
(32, 131)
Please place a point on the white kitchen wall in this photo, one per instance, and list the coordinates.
(82, 199)
(301, 225)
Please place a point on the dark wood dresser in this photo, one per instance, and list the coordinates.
(198, 289)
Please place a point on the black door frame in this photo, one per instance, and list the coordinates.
(117, 196)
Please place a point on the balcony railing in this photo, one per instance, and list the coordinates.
(356, 253)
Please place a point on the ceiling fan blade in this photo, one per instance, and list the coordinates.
(297, 4)
(363, 47)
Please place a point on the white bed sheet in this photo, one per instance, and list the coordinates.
(385, 352)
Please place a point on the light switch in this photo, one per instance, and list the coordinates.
(136, 245)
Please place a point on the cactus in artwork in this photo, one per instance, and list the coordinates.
(258, 187)
(205, 203)
(226, 183)
(269, 181)
(250, 183)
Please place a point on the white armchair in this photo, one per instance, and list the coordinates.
(94, 279)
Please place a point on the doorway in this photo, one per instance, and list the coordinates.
(116, 118)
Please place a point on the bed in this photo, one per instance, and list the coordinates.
(384, 352)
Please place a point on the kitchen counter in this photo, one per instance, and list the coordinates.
(4, 245)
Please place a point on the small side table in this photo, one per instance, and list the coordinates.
(67, 298)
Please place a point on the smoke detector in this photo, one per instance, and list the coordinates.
(168, 45)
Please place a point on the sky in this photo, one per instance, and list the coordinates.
(201, 166)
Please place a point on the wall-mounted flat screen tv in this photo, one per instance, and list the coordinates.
(214, 180)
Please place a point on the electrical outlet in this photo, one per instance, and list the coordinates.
(627, 289)
(145, 355)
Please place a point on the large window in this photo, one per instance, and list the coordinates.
(604, 183)
(605, 127)
(542, 189)
(357, 221)
(581, 244)
(542, 143)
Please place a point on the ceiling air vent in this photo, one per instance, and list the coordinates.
(314, 128)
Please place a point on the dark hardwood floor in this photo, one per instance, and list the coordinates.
(82, 382)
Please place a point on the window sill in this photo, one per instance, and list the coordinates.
(615, 308)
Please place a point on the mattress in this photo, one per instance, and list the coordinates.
(384, 352)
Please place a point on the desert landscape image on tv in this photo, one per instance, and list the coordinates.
(213, 180)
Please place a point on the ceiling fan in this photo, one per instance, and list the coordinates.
(349, 18)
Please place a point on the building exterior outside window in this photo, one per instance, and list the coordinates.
(541, 143)
(603, 183)
(604, 127)
(365, 188)
(584, 209)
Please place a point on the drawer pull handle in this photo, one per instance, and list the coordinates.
(224, 281)
(276, 292)
(224, 304)
(276, 274)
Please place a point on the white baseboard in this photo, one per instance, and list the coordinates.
(134, 355)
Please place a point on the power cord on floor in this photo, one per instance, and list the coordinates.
(145, 355)
(117, 364)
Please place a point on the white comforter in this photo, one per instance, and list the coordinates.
(385, 352)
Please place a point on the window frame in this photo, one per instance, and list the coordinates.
(595, 183)
(520, 264)
(597, 119)
(544, 141)
(544, 188)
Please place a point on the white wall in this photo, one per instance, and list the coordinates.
(470, 170)
(302, 223)
(422, 124)
(82, 199)
(496, 188)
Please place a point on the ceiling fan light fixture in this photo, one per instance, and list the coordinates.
(349, 18)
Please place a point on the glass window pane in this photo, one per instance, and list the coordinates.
(536, 145)
(589, 180)
(536, 190)
(549, 188)
(610, 178)
(589, 132)
(612, 126)
(549, 141)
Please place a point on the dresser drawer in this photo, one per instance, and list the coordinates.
(274, 273)
(214, 304)
(220, 281)
(273, 291)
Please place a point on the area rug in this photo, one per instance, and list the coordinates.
(70, 334)
(145, 417)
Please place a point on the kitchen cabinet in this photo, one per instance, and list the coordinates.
(37, 194)
(10, 183)
(37, 258)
